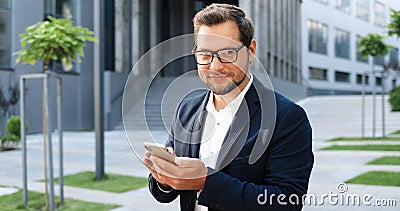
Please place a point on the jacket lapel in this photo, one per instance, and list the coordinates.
(237, 133)
(197, 131)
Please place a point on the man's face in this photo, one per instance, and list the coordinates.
(220, 77)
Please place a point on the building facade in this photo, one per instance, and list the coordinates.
(331, 28)
(77, 86)
(131, 28)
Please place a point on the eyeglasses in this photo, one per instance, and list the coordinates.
(226, 55)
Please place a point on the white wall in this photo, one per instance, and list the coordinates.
(334, 18)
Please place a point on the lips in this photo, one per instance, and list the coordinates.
(217, 76)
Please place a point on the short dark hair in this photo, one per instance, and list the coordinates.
(219, 13)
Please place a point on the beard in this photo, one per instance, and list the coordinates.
(224, 88)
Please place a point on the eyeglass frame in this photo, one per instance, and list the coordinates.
(217, 54)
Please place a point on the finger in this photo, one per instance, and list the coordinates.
(164, 167)
(187, 162)
(147, 153)
(161, 178)
(147, 162)
(171, 150)
(150, 167)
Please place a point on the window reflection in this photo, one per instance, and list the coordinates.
(318, 73)
(343, 5)
(342, 76)
(342, 44)
(317, 37)
(59, 8)
(362, 9)
(379, 14)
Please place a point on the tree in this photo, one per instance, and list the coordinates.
(56, 39)
(394, 98)
(372, 45)
(52, 40)
(394, 25)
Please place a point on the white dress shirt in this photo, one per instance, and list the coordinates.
(216, 126)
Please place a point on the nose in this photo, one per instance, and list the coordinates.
(216, 65)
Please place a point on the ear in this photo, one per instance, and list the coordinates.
(252, 50)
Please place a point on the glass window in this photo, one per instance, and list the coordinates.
(318, 73)
(365, 60)
(378, 81)
(379, 60)
(342, 44)
(379, 14)
(342, 76)
(322, 1)
(49, 7)
(359, 79)
(362, 9)
(343, 5)
(59, 8)
(5, 56)
(317, 37)
(394, 57)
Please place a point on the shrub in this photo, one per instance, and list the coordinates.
(10, 137)
(14, 132)
(14, 126)
(394, 98)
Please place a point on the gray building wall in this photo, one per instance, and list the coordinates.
(278, 34)
(22, 16)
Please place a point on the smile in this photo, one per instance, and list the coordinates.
(218, 77)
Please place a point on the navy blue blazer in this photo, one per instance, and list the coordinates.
(268, 150)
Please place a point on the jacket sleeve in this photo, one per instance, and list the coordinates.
(158, 194)
(289, 160)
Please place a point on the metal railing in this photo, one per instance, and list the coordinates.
(47, 143)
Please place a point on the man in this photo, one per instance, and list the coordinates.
(240, 146)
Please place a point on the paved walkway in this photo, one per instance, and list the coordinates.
(336, 116)
(330, 116)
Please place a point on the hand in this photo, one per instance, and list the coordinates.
(147, 162)
(184, 174)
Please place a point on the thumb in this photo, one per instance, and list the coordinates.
(171, 150)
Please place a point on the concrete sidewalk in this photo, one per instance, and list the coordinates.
(340, 116)
(330, 116)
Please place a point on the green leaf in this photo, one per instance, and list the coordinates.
(52, 40)
(394, 25)
(372, 45)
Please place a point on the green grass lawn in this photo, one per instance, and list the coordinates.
(112, 182)
(386, 160)
(396, 132)
(372, 147)
(377, 178)
(365, 139)
(36, 201)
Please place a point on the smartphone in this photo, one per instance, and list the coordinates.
(159, 150)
